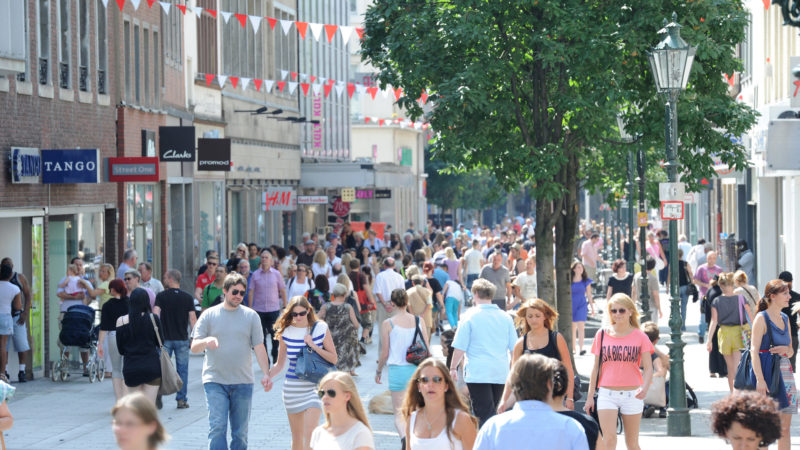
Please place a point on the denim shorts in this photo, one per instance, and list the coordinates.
(20, 336)
(6, 325)
(624, 401)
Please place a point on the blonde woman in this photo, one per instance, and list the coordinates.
(104, 276)
(619, 352)
(320, 266)
(346, 425)
(748, 291)
(453, 265)
(294, 331)
(728, 312)
(436, 415)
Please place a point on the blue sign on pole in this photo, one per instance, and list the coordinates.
(70, 166)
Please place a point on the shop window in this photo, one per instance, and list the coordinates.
(142, 222)
(211, 215)
(44, 41)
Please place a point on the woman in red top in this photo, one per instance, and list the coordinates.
(620, 385)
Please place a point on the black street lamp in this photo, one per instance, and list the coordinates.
(644, 295)
(671, 63)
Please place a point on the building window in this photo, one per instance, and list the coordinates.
(84, 82)
(245, 57)
(285, 47)
(64, 44)
(156, 69)
(18, 36)
(146, 72)
(102, 49)
(126, 31)
(207, 39)
(136, 66)
(172, 36)
(746, 50)
(44, 41)
(143, 221)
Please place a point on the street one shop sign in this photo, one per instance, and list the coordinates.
(280, 199)
(312, 199)
(70, 166)
(176, 144)
(214, 155)
(26, 165)
(143, 169)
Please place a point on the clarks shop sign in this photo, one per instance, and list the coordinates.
(176, 144)
(70, 166)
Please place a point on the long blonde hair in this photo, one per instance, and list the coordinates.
(286, 318)
(354, 406)
(623, 300)
(320, 258)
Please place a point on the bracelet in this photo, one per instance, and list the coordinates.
(569, 399)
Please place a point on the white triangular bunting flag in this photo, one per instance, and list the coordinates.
(402, 124)
(339, 89)
(346, 33)
(268, 85)
(135, 4)
(245, 83)
(198, 11)
(374, 119)
(165, 6)
(105, 3)
(255, 21)
(317, 88)
(286, 25)
(284, 74)
(226, 15)
(316, 30)
(417, 125)
(303, 76)
(360, 88)
(222, 79)
(292, 87)
(323, 80)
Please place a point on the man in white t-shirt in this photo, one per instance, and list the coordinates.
(473, 262)
(524, 284)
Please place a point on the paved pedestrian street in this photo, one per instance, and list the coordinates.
(75, 414)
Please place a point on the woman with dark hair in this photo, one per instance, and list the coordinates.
(138, 345)
(438, 301)
(319, 295)
(436, 415)
(561, 380)
(621, 281)
(113, 309)
(772, 342)
(581, 300)
(717, 367)
(747, 420)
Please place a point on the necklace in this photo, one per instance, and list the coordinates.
(427, 423)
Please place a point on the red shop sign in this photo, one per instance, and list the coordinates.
(341, 208)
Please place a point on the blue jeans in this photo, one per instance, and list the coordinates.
(701, 329)
(471, 277)
(684, 292)
(181, 350)
(228, 401)
(451, 307)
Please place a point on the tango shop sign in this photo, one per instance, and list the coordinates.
(176, 144)
(214, 154)
(26, 165)
(70, 166)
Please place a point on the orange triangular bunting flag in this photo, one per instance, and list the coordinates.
(242, 19)
(294, 75)
(281, 85)
(257, 82)
(305, 87)
(397, 93)
(360, 32)
(121, 4)
(351, 88)
(330, 30)
(372, 91)
(234, 81)
(327, 88)
(209, 78)
(272, 22)
(182, 8)
(150, 3)
(301, 28)
(313, 78)
(213, 12)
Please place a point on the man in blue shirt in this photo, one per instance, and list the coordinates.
(532, 423)
(486, 335)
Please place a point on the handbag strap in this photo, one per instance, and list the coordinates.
(313, 327)
(600, 362)
(416, 329)
(741, 306)
(155, 327)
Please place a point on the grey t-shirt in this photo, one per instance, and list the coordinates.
(237, 332)
(499, 278)
(652, 284)
(728, 310)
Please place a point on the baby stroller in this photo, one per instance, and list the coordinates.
(78, 330)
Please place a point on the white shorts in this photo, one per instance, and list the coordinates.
(624, 401)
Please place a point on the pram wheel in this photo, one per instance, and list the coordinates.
(54, 371)
(101, 370)
(63, 369)
(91, 368)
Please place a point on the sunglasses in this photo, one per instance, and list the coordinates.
(435, 380)
(298, 314)
(238, 292)
(331, 393)
(211, 264)
(618, 311)
(128, 278)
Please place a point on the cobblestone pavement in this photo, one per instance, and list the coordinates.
(75, 414)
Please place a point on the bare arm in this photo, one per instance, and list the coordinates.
(589, 298)
(283, 297)
(26, 291)
(327, 351)
(647, 364)
(6, 419)
(250, 298)
(101, 338)
(263, 362)
(353, 318)
(466, 430)
(385, 327)
(198, 294)
(505, 404)
(563, 350)
(712, 327)
(192, 318)
(278, 367)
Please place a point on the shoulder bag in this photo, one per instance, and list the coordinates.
(417, 351)
(597, 380)
(170, 380)
(745, 377)
(745, 328)
(363, 299)
(310, 366)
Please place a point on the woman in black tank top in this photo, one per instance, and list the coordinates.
(536, 319)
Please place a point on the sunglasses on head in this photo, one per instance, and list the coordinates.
(237, 292)
(331, 393)
(434, 379)
(618, 311)
(298, 314)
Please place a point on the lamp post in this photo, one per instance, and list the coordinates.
(644, 295)
(671, 63)
(630, 187)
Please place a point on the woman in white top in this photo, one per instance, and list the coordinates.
(397, 334)
(9, 299)
(748, 291)
(436, 416)
(453, 300)
(301, 283)
(346, 426)
(320, 266)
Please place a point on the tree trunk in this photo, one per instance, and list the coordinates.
(544, 251)
(566, 228)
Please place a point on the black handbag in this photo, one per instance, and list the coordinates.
(417, 351)
(576, 381)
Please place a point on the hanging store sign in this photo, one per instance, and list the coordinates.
(142, 169)
(383, 193)
(365, 194)
(341, 208)
(214, 155)
(312, 199)
(280, 199)
(672, 210)
(176, 144)
(348, 195)
(70, 166)
(26, 165)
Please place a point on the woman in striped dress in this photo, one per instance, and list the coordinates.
(293, 330)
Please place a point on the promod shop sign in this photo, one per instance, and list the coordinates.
(176, 144)
(214, 154)
(70, 166)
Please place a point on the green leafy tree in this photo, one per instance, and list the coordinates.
(449, 187)
(530, 89)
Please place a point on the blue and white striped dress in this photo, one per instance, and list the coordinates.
(299, 395)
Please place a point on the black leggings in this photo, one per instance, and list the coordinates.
(485, 397)
(268, 320)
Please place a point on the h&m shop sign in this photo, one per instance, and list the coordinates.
(31, 165)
